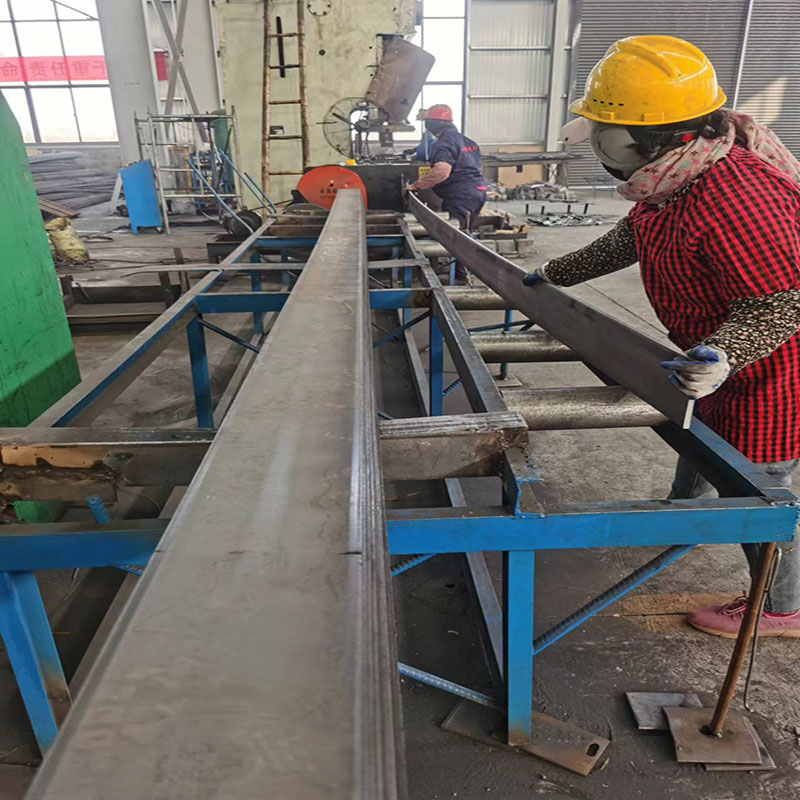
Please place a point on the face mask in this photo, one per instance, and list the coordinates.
(616, 148)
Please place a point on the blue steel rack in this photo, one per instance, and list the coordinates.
(750, 510)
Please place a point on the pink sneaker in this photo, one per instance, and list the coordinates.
(725, 620)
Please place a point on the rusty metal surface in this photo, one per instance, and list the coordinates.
(468, 445)
(69, 463)
(399, 78)
(582, 407)
(736, 745)
(559, 742)
(648, 707)
(767, 761)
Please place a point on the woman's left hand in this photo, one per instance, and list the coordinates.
(700, 372)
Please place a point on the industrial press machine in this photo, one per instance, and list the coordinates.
(261, 626)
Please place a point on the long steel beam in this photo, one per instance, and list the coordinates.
(256, 655)
(626, 356)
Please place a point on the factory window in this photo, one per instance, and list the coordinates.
(442, 34)
(53, 71)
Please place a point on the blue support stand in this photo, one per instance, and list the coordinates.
(517, 638)
(200, 376)
(32, 652)
(436, 356)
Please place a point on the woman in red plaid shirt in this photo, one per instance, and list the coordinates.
(716, 231)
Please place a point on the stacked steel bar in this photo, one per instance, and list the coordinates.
(256, 658)
(61, 177)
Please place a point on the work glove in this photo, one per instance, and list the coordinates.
(538, 275)
(700, 372)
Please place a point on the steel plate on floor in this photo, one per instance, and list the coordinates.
(736, 745)
(648, 707)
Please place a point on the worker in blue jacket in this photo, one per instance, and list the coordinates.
(422, 151)
(455, 173)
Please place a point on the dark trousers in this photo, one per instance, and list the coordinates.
(785, 595)
(465, 207)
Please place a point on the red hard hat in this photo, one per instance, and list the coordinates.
(440, 111)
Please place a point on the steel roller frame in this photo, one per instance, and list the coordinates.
(750, 508)
(487, 442)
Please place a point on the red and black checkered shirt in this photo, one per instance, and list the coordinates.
(734, 233)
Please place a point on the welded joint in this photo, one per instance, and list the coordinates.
(521, 478)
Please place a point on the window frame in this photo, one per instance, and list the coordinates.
(69, 84)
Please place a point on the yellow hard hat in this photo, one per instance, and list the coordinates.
(650, 80)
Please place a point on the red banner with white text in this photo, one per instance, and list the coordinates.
(52, 68)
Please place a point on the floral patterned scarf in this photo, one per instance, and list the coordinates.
(660, 179)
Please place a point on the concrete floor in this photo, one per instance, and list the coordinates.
(637, 644)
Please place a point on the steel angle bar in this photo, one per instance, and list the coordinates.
(625, 355)
(431, 448)
(265, 612)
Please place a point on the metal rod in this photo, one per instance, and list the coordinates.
(610, 596)
(751, 617)
(447, 686)
(409, 562)
(229, 335)
(466, 299)
(582, 407)
(742, 53)
(528, 346)
(773, 573)
(399, 331)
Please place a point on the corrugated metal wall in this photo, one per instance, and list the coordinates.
(770, 86)
(716, 28)
(508, 70)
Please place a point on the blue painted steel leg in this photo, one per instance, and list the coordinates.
(452, 272)
(518, 635)
(200, 377)
(98, 508)
(507, 327)
(436, 361)
(407, 280)
(255, 285)
(32, 652)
